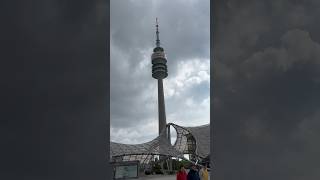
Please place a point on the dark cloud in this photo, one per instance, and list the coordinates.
(53, 90)
(266, 89)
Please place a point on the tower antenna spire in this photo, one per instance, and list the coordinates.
(157, 32)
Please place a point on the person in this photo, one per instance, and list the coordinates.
(193, 173)
(182, 175)
(204, 173)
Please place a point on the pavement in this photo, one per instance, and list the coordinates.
(159, 177)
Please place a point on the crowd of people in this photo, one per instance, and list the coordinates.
(194, 173)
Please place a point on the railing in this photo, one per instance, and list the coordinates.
(158, 55)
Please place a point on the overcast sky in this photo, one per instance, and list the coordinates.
(267, 89)
(185, 37)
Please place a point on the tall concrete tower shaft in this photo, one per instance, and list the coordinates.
(159, 72)
(161, 107)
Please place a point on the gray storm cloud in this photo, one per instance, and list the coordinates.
(266, 89)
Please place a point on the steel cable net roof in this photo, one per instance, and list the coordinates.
(158, 146)
(161, 145)
(201, 135)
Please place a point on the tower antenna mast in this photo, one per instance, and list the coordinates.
(157, 32)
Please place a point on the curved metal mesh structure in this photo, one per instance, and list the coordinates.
(201, 135)
(190, 140)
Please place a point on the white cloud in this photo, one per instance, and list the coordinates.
(189, 73)
(136, 134)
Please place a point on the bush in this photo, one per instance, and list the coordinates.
(157, 169)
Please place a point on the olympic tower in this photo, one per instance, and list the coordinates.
(159, 72)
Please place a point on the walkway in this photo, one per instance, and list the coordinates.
(159, 177)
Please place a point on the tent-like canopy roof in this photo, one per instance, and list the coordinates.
(161, 145)
(158, 146)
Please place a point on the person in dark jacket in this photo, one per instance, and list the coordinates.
(182, 175)
(193, 173)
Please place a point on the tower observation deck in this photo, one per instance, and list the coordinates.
(159, 61)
